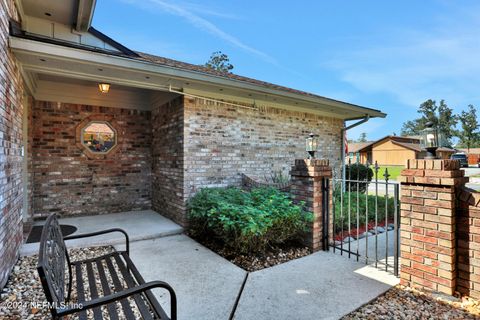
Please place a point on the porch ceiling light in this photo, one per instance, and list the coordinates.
(311, 145)
(104, 87)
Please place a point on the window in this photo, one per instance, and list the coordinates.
(99, 137)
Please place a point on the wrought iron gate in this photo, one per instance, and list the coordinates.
(365, 217)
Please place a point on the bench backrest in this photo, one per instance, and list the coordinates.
(52, 262)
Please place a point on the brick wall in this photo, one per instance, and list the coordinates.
(468, 242)
(307, 180)
(222, 141)
(167, 160)
(428, 221)
(11, 111)
(67, 182)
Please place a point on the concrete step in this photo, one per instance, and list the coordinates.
(139, 225)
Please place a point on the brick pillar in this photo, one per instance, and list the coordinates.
(306, 186)
(428, 224)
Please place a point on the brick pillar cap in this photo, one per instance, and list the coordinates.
(312, 162)
(433, 172)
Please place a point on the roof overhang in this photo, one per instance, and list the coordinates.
(84, 15)
(76, 13)
(38, 57)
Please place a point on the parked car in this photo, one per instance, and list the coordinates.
(462, 157)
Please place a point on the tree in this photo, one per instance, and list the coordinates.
(363, 137)
(220, 62)
(440, 115)
(468, 120)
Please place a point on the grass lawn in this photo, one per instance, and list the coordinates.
(393, 171)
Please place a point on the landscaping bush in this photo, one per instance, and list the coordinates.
(362, 208)
(247, 222)
(358, 172)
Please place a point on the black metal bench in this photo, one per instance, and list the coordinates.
(123, 284)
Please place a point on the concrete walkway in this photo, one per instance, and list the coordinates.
(140, 225)
(323, 285)
(206, 284)
(320, 286)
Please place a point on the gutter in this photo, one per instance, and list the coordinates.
(343, 131)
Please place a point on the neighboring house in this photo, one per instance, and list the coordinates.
(392, 151)
(160, 130)
(473, 155)
(360, 152)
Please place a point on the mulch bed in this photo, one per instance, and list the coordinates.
(273, 256)
(339, 236)
(409, 304)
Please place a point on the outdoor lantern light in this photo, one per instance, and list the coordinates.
(311, 145)
(104, 87)
(431, 140)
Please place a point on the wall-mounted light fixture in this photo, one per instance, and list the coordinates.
(104, 87)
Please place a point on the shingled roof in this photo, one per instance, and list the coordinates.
(15, 30)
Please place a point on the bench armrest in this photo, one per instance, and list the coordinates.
(124, 294)
(97, 233)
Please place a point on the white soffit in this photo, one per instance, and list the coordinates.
(70, 90)
(62, 11)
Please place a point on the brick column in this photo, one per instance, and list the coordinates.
(306, 186)
(428, 224)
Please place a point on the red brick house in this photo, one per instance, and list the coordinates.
(162, 130)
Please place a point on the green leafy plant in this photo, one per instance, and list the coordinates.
(358, 172)
(247, 222)
(361, 205)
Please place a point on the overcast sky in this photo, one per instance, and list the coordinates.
(379, 54)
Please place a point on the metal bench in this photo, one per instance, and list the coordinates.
(123, 283)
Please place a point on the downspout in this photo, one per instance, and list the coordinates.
(344, 129)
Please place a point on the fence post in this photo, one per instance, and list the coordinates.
(307, 176)
(427, 224)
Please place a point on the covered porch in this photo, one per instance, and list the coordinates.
(88, 152)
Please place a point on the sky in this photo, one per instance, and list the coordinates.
(387, 55)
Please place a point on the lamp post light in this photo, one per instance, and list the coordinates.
(431, 140)
(311, 145)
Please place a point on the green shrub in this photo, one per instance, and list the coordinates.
(358, 172)
(247, 222)
(383, 205)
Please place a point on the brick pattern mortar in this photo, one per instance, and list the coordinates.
(11, 112)
(223, 141)
(67, 182)
(428, 220)
(468, 242)
(167, 160)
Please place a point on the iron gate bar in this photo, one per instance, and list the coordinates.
(376, 214)
(386, 175)
(396, 233)
(358, 216)
(366, 215)
(339, 186)
(327, 213)
(349, 210)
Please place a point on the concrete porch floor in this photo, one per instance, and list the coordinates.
(140, 225)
